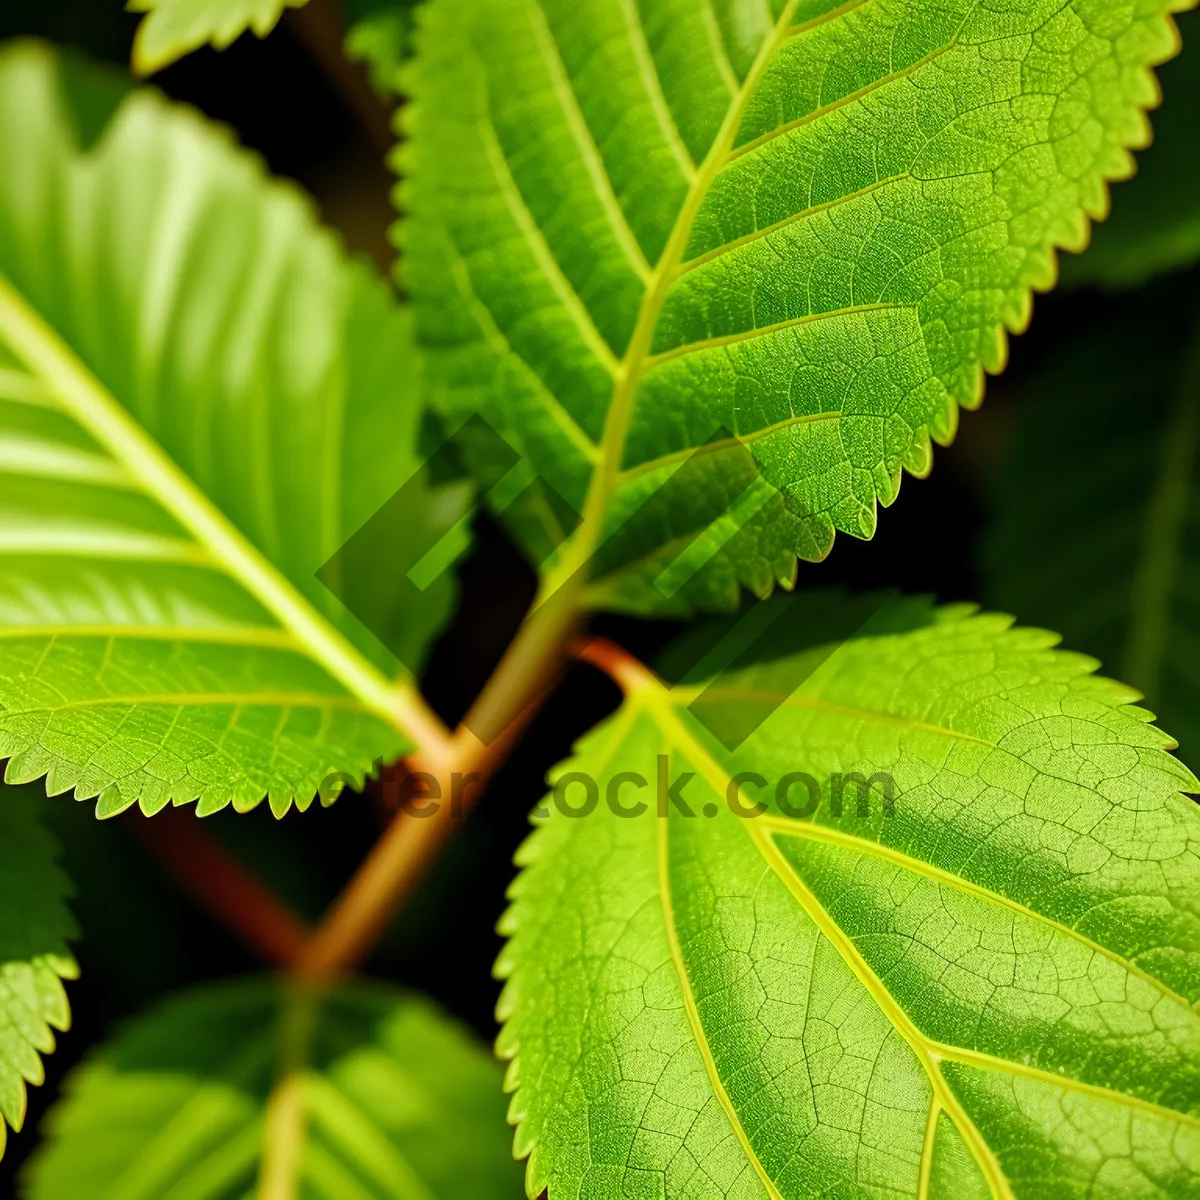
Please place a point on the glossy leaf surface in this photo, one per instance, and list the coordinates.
(789, 234)
(986, 991)
(200, 401)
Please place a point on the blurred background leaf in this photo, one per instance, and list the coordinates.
(172, 28)
(394, 1100)
(1097, 525)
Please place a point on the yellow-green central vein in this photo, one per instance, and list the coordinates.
(284, 1122)
(86, 399)
(663, 863)
(654, 698)
(925, 1051)
(633, 364)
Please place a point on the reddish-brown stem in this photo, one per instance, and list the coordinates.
(402, 856)
(411, 843)
(382, 883)
(207, 872)
(628, 673)
(455, 771)
(527, 673)
(452, 778)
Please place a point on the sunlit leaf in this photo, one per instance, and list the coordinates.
(201, 399)
(983, 987)
(1155, 222)
(790, 234)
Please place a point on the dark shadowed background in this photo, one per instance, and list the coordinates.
(141, 938)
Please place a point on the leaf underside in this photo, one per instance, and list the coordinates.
(987, 993)
(1101, 482)
(793, 228)
(397, 1103)
(182, 349)
(34, 959)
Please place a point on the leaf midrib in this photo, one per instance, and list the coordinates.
(654, 696)
(927, 1147)
(847, 951)
(286, 1114)
(662, 863)
(605, 476)
(81, 394)
(921, 1046)
(657, 697)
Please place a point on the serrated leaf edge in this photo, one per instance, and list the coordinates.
(652, 695)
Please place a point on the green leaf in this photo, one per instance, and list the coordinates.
(382, 1096)
(1096, 529)
(791, 233)
(380, 41)
(34, 958)
(380, 35)
(987, 992)
(1155, 222)
(173, 28)
(200, 401)
(137, 928)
